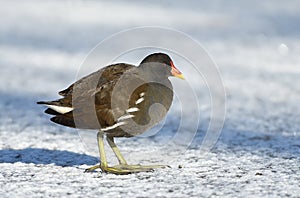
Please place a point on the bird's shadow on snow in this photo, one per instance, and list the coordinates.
(46, 156)
(24, 116)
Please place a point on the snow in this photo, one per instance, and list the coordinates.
(256, 47)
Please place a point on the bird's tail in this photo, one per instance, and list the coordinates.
(55, 107)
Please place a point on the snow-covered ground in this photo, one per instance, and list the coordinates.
(256, 45)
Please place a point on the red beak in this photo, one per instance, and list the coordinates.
(175, 72)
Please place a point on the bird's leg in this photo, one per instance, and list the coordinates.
(103, 162)
(116, 150)
(123, 167)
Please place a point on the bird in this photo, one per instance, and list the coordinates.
(119, 100)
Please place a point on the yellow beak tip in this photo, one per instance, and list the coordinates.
(180, 76)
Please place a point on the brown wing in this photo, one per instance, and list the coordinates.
(90, 99)
(98, 78)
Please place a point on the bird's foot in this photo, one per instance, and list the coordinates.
(123, 169)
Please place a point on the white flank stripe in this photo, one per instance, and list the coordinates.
(142, 94)
(124, 117)
(113, 126)
(60, 109)
(133, 109)
(139, 100)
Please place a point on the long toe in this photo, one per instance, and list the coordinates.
(123, 169)
(91, 169)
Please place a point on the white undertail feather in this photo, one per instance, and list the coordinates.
(60, 109)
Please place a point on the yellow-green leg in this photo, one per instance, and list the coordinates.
(116, 150)
(103, 161)
(123, 167)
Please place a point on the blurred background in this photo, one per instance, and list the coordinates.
(255, 44)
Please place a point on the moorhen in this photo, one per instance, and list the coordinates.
(119, 100)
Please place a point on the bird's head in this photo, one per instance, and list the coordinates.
(166, 60)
